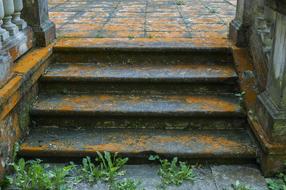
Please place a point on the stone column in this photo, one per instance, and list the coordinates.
(272, 102)
(36, 14)
(4, 34)
(237, 28)
(18, 4)
(9, 11)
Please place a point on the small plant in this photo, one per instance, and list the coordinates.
(240, 96)
(174, 172)
(130, 37)
(126, 184)
(150, 36)
(180, 2)
(34, 175)
(108, 168)
(110, 165)
(239, 186)
(99, 36)
(89, 171)
(277, 183)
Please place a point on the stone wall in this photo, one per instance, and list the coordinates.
(16, 97)
(13, 127)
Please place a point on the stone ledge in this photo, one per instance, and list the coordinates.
(25, 73)
(65, 44)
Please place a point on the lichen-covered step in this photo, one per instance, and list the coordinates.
(73, 78)
(67, 144)
(135, 111)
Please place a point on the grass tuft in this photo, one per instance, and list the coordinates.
(174, 172)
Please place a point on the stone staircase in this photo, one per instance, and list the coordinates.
(140, 101)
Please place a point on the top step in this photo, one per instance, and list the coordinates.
(139, 44)
(116, 51)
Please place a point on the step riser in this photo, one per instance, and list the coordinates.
(155, 58)
(76, 157)
(155, 88)
(180, 123)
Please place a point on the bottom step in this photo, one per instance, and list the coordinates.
(67, 143)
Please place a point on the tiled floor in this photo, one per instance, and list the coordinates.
(142, 18)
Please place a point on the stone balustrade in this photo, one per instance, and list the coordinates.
(10, 13)
(23, 24)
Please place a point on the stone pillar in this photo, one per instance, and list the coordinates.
(18, 4)
(9, 11)
(36, 14)
(237, 28)
(273, 100)
(271, 104)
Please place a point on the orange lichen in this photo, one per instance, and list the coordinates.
(93, 42)
(213, 103)
(32, 59)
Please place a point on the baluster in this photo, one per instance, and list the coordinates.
(18, 6)
(4, 34)
(9, 11)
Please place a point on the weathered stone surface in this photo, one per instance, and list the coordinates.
(16, 97)
(143, 19)
(278, 5)
(226, 175)
(150, 180)
(5, 68)
(266, 39)
(205, 178)
(68, 143)
(12, 49)
(271, 107)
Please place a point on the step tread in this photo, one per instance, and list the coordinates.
(106, 72)
(144, 105)
(60, 142)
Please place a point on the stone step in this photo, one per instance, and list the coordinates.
(141, 55)
(135, 111)
(67, 144)
(73, 78)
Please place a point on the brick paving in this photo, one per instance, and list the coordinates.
(142, 18)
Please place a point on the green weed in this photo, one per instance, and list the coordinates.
(180, 2)
(126, 184)
(110, 165)
(240, 96)
(89, 171)
(150, 36)
(107, 169)
(174, 172)
(130, 37)
(277, 183)
(33, 174)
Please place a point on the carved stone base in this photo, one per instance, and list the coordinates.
(5, 67)
(237, 33)
(19, 22)
(9, 26)
(4, 35)
(45, 34)
(272, 164)
(272, 119)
